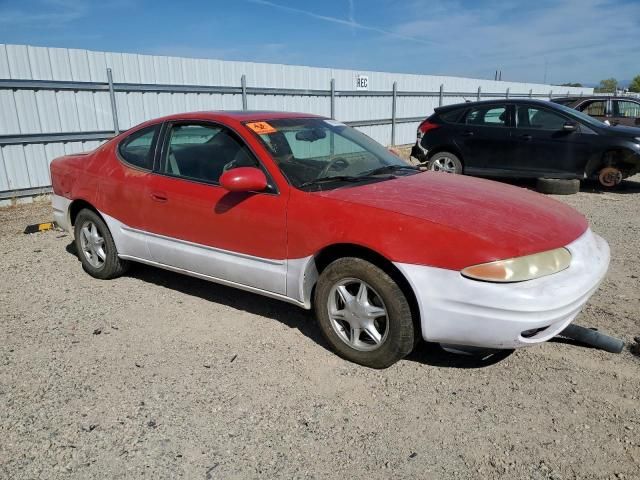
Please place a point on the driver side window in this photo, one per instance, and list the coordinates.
(539, 119)
(203, 152)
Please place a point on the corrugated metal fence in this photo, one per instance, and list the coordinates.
(55, 101)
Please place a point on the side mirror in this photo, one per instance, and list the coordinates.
(569, 127)
(244, 179)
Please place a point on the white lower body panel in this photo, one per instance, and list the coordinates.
(458, 310)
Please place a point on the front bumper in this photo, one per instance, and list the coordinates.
(458, 310)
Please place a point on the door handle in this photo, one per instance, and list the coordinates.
(159, 197)
(526, 137)
(467, 134)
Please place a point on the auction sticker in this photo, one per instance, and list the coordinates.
(261, 128)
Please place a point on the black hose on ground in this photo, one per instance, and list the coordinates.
(593, 338)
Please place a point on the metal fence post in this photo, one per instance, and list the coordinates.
(441, 100)
(550, 94)
(114, 108)
(333, 98)
(479, 93)
(394, 98)
(507, 94)
(531, 93)
(243, 83)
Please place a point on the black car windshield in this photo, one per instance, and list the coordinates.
(321, 153)
(581, 116)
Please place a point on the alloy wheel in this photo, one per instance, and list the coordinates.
(92, 244)
(443, 164)
(357, 314)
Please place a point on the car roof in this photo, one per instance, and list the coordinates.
(528, 101)
(237, 115)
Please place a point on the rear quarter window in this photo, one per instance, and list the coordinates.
(138, 148)
(452, 116)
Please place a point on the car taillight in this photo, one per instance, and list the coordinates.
(425, 126)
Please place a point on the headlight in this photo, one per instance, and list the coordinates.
(521, 268)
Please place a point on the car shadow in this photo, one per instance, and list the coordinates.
(627, 186)
(290, 315)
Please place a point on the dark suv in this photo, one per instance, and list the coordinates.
(527, 138)
(615, 110)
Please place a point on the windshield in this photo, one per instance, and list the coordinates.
(582, 116)
(309, 150)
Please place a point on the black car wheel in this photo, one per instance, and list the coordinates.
(445, 162)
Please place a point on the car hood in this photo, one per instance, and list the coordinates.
(624, 130)
(513, 220)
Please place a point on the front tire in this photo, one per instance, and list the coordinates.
(96, 248)
(445, 162)
(363, 313)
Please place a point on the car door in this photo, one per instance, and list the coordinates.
(544, 147)
(196, 225)
(626, 112)
(484, 139)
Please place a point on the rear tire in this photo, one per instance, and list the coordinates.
(96, 248)
(445, 162)
(346, 316)
(557, 186)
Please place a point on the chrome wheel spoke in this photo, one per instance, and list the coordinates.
(344, 294)
(374, 312)
(362, 297)
(373, 334)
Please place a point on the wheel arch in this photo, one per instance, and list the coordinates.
(450, 148)
(76, 206)
(333, 252)
(627, 159)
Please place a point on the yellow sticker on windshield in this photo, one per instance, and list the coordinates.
(261, 128)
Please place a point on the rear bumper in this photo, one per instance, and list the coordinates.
(458, 310)
(60, 206)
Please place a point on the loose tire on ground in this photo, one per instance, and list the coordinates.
(395, 330)
(556, 186)
(96, 234)
(445, 162)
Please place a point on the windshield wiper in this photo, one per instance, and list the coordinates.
(344, 178)
(391, 168)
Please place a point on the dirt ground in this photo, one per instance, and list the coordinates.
(157, 375)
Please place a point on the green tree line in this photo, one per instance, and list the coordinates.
(610, 85)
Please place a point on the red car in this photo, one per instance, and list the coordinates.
(307, 210)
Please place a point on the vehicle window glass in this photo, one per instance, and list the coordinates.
(492, 116)
(203, 152)
(307, 149)
(137, 149)
(452, 117)
(539, 118)
(596, 108)
(623, 108)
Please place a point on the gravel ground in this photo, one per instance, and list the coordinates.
(157, 375)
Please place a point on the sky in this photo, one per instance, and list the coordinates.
(560, 41)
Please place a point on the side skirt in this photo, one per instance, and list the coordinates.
(227, 283)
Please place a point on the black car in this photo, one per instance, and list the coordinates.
(615, 110)
(527, 138)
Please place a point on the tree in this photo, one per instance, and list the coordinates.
(610, 85)
(634, 86)
(571, 85)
